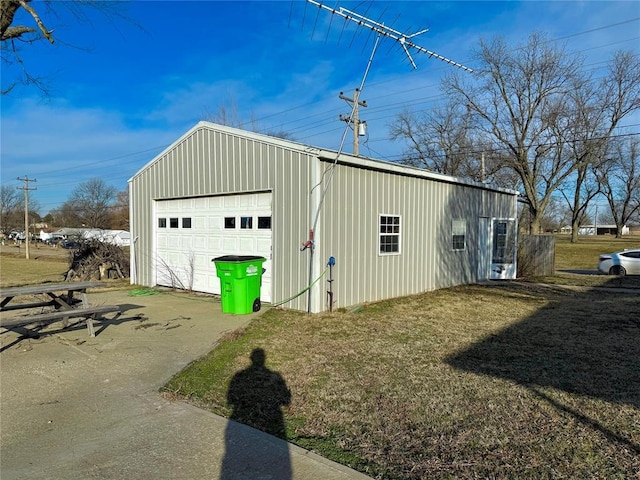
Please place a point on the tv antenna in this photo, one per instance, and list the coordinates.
(403, 39)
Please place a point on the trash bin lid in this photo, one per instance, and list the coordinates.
(237, 258)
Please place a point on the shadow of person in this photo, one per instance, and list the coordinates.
(257, 396)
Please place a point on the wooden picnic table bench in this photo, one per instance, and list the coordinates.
(61, 299)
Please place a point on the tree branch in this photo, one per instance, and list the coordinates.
(36, 17)
(16, 32)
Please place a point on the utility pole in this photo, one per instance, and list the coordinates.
(26, 189)
(354, 118)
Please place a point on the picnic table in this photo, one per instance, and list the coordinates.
(60, 302)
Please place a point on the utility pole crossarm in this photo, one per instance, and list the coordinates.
(354, 117)
(404, 40)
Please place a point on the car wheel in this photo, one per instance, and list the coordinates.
(617, 270)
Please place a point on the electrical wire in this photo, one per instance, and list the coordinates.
(57, 173)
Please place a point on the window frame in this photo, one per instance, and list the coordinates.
(246, 222)
(458, 229)
(229, 223)
(264, 222)
(387, 234)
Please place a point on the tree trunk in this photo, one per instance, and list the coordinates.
(575, 225)
(535, 220)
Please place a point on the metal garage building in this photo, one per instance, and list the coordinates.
(393, 230)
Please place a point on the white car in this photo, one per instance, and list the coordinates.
(626, 262)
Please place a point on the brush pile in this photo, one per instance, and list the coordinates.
(95, 260)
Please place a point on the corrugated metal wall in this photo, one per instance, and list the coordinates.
(209, 162)
(350, 224)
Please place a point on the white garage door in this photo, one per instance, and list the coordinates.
(191, 232)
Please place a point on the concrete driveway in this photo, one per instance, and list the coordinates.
(72, 406)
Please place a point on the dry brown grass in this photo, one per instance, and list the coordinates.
(46, 264)
(15, 270)
(499, 381)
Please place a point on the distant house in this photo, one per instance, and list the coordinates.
(602, 230)
(69, 233)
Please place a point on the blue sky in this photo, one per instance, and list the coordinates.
(124, 89)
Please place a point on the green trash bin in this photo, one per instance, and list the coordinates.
(240, 280)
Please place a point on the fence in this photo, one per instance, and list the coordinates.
(536, 255)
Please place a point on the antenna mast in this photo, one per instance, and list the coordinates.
(403, 39)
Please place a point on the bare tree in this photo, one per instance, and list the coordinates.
(619, 176)
(65, 216)
(228, 114)
(515, 97)
(13, 37)
(439, 140)
(11, 209)
(578, 133)
(120, 211)
(91, 201)
(445, 141)
(595, 109)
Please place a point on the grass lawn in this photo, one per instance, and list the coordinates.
(45, 265)
(16, 270)
(507, 380)
(584, 254)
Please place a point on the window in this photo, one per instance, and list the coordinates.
(162, 223)
(173, 223)
(229, 222)
(264, 223)
(459, 233)
(246, 222)
(186, 222)
(503, 241)
(389, 234)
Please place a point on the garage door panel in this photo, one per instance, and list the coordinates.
(208, 238)
(230, 244)
(247, 245)
(199, 242)
(186, 243)
(214, 244)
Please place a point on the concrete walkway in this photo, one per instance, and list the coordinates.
(72, 406)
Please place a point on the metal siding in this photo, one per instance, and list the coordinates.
(210, 162)
(352, 207)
